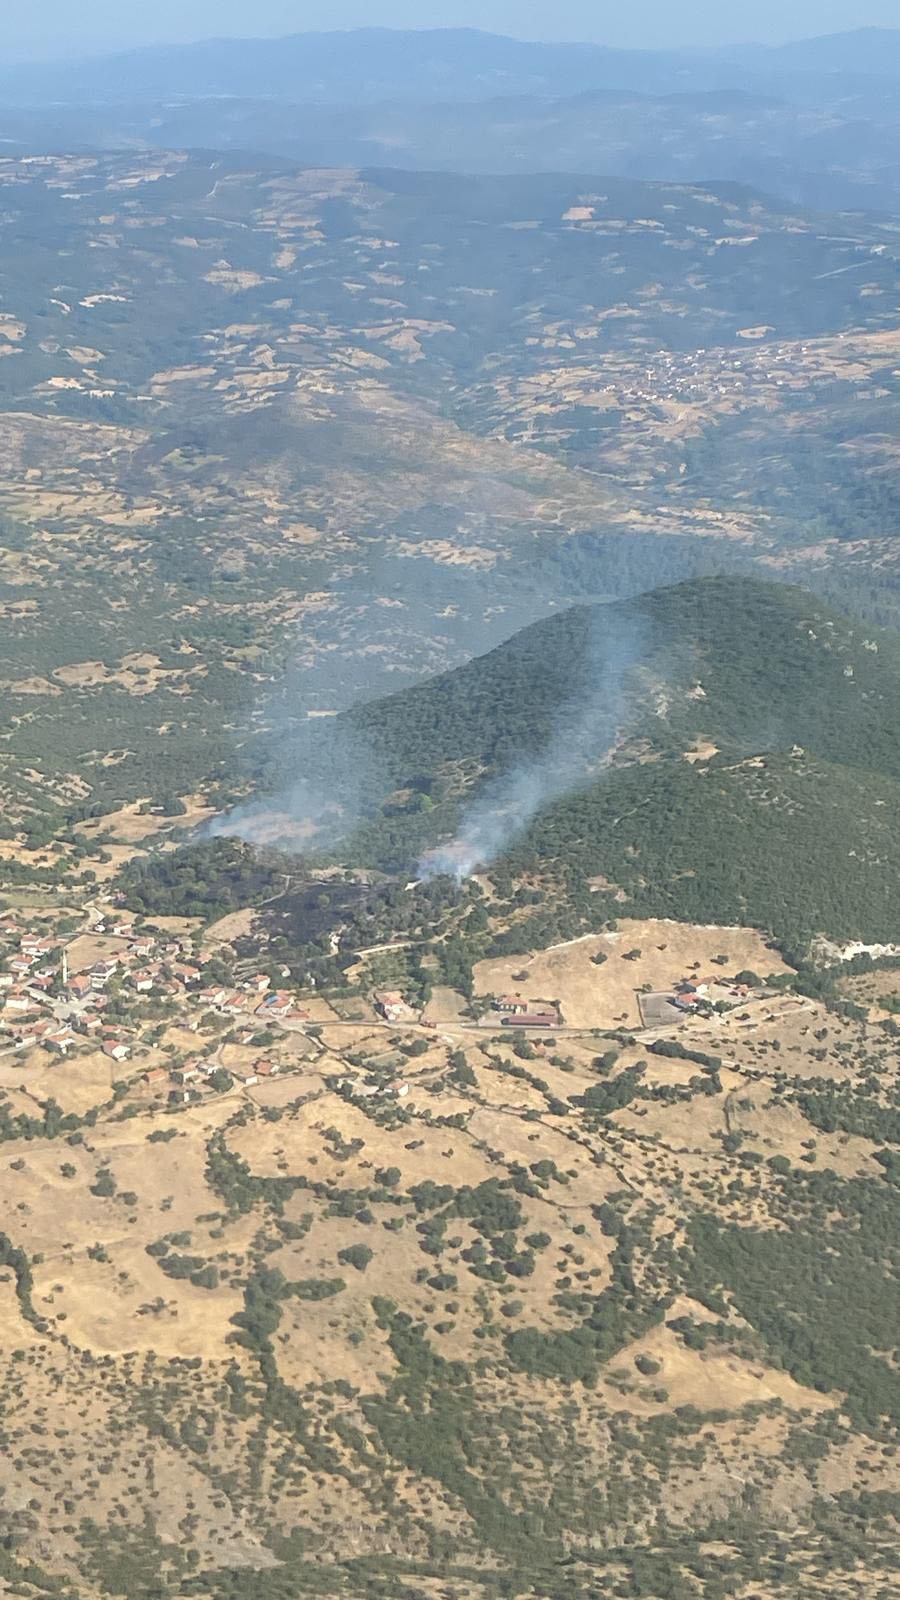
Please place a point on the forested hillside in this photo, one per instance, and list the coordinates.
(775, 667)
(790, 844)
(751, 769)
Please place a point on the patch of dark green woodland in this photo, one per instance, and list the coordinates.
(836, 1108)
(612, 1095)
(674, 1050)
(768, 656)
(494, 1211)
(17, 1260)
(205, 879)
(201, 1273)
(786, 843)
(133, 1562)
(822, 1290)
(54, 1124)
(23, 1576)
(282, 1406)
(430, 1421)
(612, 1319)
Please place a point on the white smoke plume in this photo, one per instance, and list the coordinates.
(320, 781)
(590, 725)
(340, 781)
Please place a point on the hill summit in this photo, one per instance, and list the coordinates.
(733, 659)
(722, 749)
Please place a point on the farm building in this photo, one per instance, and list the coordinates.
(533, 1019)
(393, 1006)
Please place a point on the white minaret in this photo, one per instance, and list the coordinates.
(65, 969)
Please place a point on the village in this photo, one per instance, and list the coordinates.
(111, 983)
(136, 993)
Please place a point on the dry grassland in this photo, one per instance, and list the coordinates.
(604, 996)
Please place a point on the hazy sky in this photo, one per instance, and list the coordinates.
(45, 28)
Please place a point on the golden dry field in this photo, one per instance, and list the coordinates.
(420, 1283)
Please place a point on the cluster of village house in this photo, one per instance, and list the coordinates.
(693, 995)
(42, 1003)
(702, 373)
(515, 1012)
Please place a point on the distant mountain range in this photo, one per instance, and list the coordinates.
(815, 122)
(836, 158)
(372, 64)
(866, 50)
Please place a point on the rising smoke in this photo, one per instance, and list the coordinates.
(320, 781)
(332, 776)
(590, 724)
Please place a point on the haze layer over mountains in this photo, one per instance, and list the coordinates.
(814, 121)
